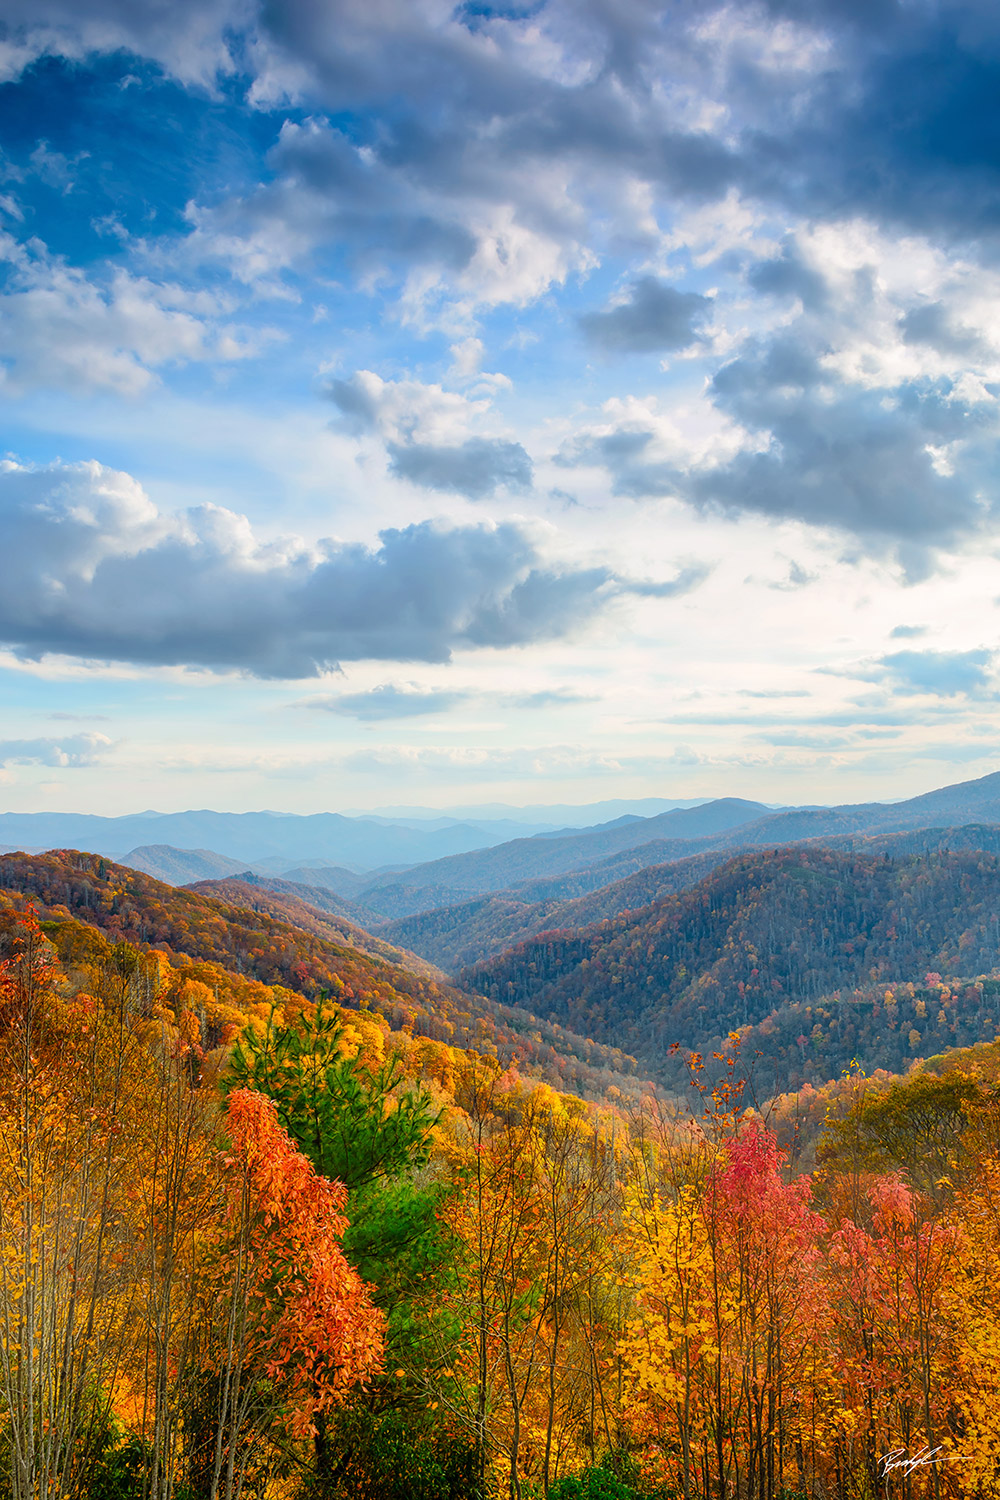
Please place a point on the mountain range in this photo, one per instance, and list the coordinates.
(454, 937)
(274, 842)
(727, 824)
(786, 927)
(366, 844)
(766, 929)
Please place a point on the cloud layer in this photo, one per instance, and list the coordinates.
(733, 265)
(90, 568)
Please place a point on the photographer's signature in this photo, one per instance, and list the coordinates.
(897, 1460)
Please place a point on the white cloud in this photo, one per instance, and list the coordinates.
(60, 329)
(71, 751)
(90, 568)
(403, 411)
(425, 429)
(189, 38)
(644, 433)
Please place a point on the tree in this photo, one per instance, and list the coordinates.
(292, 1327)
(361, 1126)
(356, 1126)
(720, 1358)
(69, 1115)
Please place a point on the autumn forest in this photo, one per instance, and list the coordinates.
(288, 1214)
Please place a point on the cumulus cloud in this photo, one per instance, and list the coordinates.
(509, 132)
(655, 318)
(788, 275)
(486, 239)
(646, 446)
(324, 191)
(476, 468)
(511, 138)
(189, 38)
(59, 328)
(72, 750)
(908, 465)
(402, 411)
(91, 568)
(845, 456)
(420, 424)
(931, 323)
(493, 152)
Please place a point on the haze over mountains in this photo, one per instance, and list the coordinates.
(399, 869)
(281, 840)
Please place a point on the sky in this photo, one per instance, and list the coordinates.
(431, 403)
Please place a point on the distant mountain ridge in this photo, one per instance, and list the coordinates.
(385, 869)
(249, 837)
(550, 854)
(448, 881)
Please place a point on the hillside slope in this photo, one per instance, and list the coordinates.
(311, 910)
(75, 892)
(789, 925)
(320, 896)
(802, 1045)
(180, 866)
(455, 937)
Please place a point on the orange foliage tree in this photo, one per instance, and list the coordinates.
(292, 1325)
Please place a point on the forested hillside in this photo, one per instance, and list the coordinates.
(86, 891)
(877, 1026)
(252, 1245)
(456, 937)
(791, 925)
(311, 907)
(180, 866)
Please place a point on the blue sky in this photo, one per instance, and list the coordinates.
(432, 403)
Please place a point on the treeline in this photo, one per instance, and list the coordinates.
(764, 930)
(323, 1260)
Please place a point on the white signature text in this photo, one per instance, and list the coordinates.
(899, 1460)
